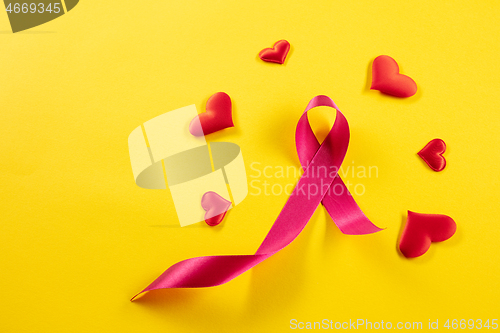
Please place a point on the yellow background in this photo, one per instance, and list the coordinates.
(79, 238)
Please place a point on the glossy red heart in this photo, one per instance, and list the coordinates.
(432, 154)
(422, 229)
(277, 53)
(215, 207)
(386, 78)
(218, 116)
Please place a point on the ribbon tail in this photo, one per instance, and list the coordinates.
(202, 272)
(345, 212)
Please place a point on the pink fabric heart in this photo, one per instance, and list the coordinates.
(215, 207)
(432, 154)
(423, 229)
(387, 79)
(218, 116)
(277, 53)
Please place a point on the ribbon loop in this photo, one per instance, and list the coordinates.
(338, 201)
(311, 190)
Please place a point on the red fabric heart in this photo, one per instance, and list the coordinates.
(432, 154)
(217, 117)
(422, 229)
(386, 78)
(215, 220)
(277, 53)
(215, 207)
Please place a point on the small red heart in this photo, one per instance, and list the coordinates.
(386, 78)
(422, 229)
(432, 154)
(277, 53)
(215, 207)
(215, 220)
(217, 116)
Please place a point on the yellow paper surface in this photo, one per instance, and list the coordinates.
(79, 238)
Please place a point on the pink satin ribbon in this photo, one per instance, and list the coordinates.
(315, 158)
